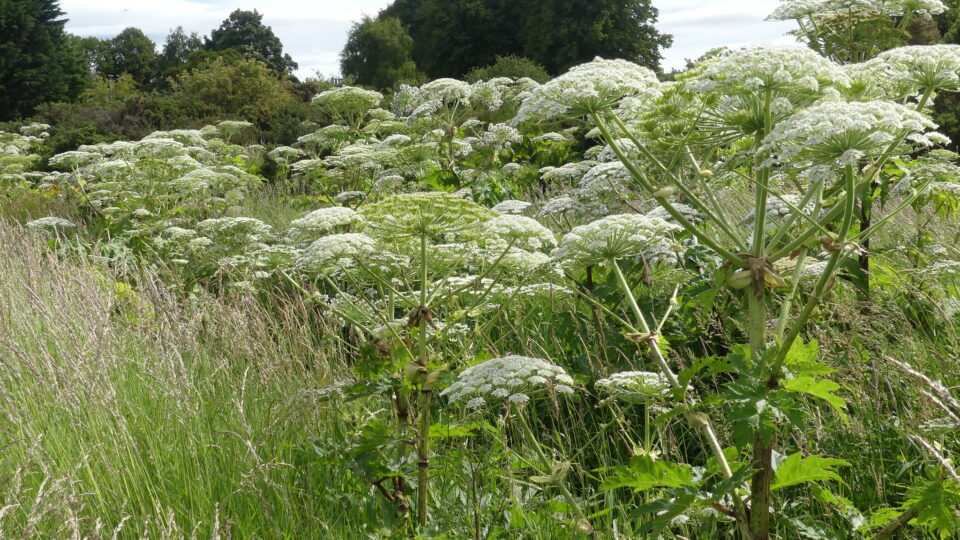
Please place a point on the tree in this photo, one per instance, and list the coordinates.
(178, 48)
(378, 54)
(131, 52)
(563, 33)
(453, 36)
(38, 62)
(245, 31)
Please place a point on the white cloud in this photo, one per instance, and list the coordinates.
(314, 31)
(700, 25)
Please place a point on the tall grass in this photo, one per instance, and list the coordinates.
(129, 415)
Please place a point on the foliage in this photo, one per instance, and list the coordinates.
(451, 38)
(129, 52)
(245, 31)
(378, 54)
(38, 63)
(599, 305)
(514, 67)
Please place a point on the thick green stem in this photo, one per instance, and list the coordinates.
(762, 460)
(788, 301)
(423, 412)
(423, 457)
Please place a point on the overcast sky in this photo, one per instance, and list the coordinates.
(314, 31)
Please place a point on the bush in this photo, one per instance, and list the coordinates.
(509, 66)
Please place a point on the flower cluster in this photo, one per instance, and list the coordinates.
(918, 68)
(51, 223)
(511, 378)
(431, 214)
(590, 87)
(770, 67)
(324, 221)
(521, 231)
(337, 252)
(612, 238)
(841, 133)
(635, 386)
(821, 9)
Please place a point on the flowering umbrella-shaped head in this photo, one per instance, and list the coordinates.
(51, 223)
(348, 103)
(922, 67)
(325, 221)
(521, 231)
(842, 133)
(774, 68)
(337, 252)
(824, 9)
(612, 238)
(588, 88)
(635, 386)
(429, 214)
(514, 379)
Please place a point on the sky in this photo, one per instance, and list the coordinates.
(314, 31)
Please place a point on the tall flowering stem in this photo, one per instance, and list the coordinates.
(762, 461)
(423, 412)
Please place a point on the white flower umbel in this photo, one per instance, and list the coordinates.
(521, 231)
(842, 133)
(348, 98)
(604, 179)
(431, 214)
(512, 378)
(559, 206)
(324, 221)
(51, 223)
(635, 386)
(770, 67)
(590, 87)
(611, 238)
(823, 9)
(918, 68)
(235, 231)
(335, 252)
(511, 206)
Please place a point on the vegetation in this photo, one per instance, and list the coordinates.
(451, 38)
(378, 54)
(37, 61)
(724, 306)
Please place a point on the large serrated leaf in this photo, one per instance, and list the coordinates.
(797, 469)
(821, 388)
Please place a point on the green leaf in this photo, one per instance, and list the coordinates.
(936, 501)
(797, 469)
(712, 365)
(450, 431)
(644, 473)
(821, 388)
(803, 359)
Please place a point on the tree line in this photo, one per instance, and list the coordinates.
(415, 40)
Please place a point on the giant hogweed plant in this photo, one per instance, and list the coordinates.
(867, 36)
(423, 276)
(767, 115)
